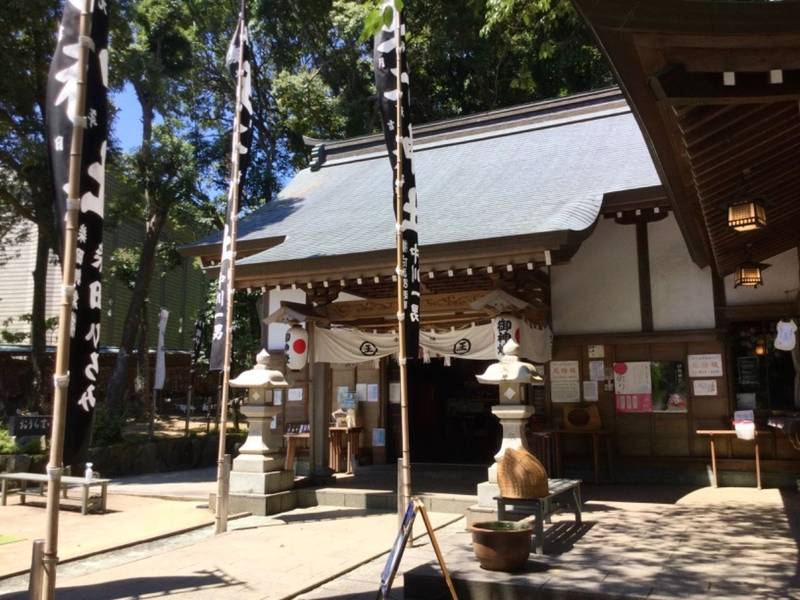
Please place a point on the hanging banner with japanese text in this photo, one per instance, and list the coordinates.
(535, 343)
(242, 140)
(62, 117)
(387, 73)
(351, 345)
(476, 342)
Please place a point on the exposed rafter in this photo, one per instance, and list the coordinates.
(715, 86)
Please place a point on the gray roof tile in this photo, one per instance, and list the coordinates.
(543, 177)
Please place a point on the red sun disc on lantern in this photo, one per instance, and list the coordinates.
(620, 368)
(299, 346)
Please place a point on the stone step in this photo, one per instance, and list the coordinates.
(381, 499)
(258, 504)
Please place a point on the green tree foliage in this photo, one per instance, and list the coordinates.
(312, 68)
(555, 49)
(155, 40)
(479, 55)
(27, 41)
(7, 444)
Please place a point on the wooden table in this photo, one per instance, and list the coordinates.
(341, 438)
(42, 481)
(596, 435)
(291, 446)
(712, 433)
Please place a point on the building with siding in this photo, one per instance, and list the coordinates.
(181, 290)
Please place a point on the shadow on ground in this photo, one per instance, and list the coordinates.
(141, 587)
(64, 507)
(665, 551)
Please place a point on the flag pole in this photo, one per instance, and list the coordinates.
(61, 375)
(220, 519)
(405, 479)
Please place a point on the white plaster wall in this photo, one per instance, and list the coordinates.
(781, 277)
(682, 294)
(276, 338)
(598, 290)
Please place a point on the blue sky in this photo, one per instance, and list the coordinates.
(127, 127)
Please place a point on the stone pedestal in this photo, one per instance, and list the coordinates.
(513, 418)
(258, 482)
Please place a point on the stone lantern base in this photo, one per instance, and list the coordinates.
(269, 503)
(513, 419)
(259, 484)
(260, 493)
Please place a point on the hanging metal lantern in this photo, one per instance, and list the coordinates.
(747, 214)
(749, 274)
(296, 348)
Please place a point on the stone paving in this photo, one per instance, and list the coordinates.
(259, 558)
(194, 484)
(636, 541)
(128, 520)
(710, 543)
(740, 543)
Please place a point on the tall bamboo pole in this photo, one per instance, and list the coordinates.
(220, 519)
(61, 375)
(401, 321)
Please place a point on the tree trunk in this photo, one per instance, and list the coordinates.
(36, 399)
(118, 382)
(156, 218)
(143, 368)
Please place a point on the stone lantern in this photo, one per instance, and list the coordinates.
(259, 484)
(511, 375)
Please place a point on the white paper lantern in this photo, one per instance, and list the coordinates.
(506, 327)
(296, 348)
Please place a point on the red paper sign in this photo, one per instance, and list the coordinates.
(634, 403)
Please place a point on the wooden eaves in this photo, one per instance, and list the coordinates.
(514, 250)
(713, 136)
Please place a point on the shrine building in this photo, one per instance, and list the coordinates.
(557, 222)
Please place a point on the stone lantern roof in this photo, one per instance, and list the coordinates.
(260, 375)
(510, 369)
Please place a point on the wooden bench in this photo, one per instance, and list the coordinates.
(543, 508)
(40, 490)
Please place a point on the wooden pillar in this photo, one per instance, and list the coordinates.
(319, 418)
(645, 294)
(263, 314)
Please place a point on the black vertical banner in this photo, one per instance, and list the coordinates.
(62, 97)
(245, 110)
(386, 74)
